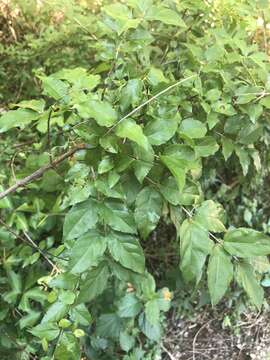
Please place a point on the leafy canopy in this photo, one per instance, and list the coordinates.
(167, 101)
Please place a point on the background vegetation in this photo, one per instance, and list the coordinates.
(159, 112)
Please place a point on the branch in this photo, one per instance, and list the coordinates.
(29, 242)
(38, 173)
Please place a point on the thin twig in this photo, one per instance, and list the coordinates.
(38, 173)
(49, 133)
(167, 352)
(29, 242)
(40, 251)
(162, 92)
(195, 338)
(210, 234)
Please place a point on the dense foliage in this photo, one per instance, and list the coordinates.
(165, 120)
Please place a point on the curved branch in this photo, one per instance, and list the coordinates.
(38, 173)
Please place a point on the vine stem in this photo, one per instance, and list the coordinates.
(162, 92)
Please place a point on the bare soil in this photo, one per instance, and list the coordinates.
(204, 337)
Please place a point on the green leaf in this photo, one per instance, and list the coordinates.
(81, 315)
(32, 294)
(129, 129)
(117, 216)
(87, 252)
(143, 163)
(79, 78)
(177, 167)
(212, 119)
(219, 272)
(265, 102)
(101, 111)
(153, 332)
(54, 88)
(193, 129)
(128, 251)
(55, 312)
(80, 219)
(29, 320)
(65, 281)
(131, 93)
(243, 158)
(118, 11)
(246, 278)
(109, 325)
(94, 284)
(206, 146)
(156, 76)
(170, 191)
(17, 118)
(48, 331)
(209, 215)
(129, 306)
(127, 341)
(51, 181)
(165, 15)
(195, 245)
(250, 134)
(35, 105)
(254, 111)
(245, 243)
(148, 209)
(159, 130)
(105, 165)
(68, 348)
(227, 147)
(152, 311)
(109, 143)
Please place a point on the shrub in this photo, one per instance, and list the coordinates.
(172, 115)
